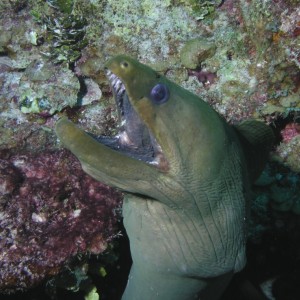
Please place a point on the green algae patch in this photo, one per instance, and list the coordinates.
(288, 154)
(65, 6)
(46, 88)
(196, 51)
(201, 9)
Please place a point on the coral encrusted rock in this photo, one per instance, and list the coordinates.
(50, 211)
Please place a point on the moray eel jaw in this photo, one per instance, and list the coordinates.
(130, 160)
(170, 141)
(134, 138)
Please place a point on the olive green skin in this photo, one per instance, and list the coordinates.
(185, 215)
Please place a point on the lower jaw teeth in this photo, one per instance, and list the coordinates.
(121, 90)
(118, 85)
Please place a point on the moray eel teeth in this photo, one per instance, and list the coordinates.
(134, 138)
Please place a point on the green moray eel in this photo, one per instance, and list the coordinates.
(186, 174)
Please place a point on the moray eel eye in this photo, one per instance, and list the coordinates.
(160, 93)
(124, 64)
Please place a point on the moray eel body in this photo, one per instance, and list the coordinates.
(187, 175)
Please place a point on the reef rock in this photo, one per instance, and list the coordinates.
(50, 211)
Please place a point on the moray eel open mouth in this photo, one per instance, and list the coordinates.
(134, 138)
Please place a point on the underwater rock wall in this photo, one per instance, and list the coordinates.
(50, 212)
(242, 57)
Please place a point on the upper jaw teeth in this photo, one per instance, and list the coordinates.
(115, 82)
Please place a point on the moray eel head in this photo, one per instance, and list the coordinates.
(164, 121)
(161, 126)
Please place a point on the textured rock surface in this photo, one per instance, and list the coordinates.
(52, 55)
(50, 211)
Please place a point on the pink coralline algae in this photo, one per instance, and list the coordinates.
(50, 210)
(290, 131)
(205, 77)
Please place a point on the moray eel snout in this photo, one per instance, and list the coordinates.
(186, 174)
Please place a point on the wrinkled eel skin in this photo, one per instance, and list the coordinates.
(185, 209)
